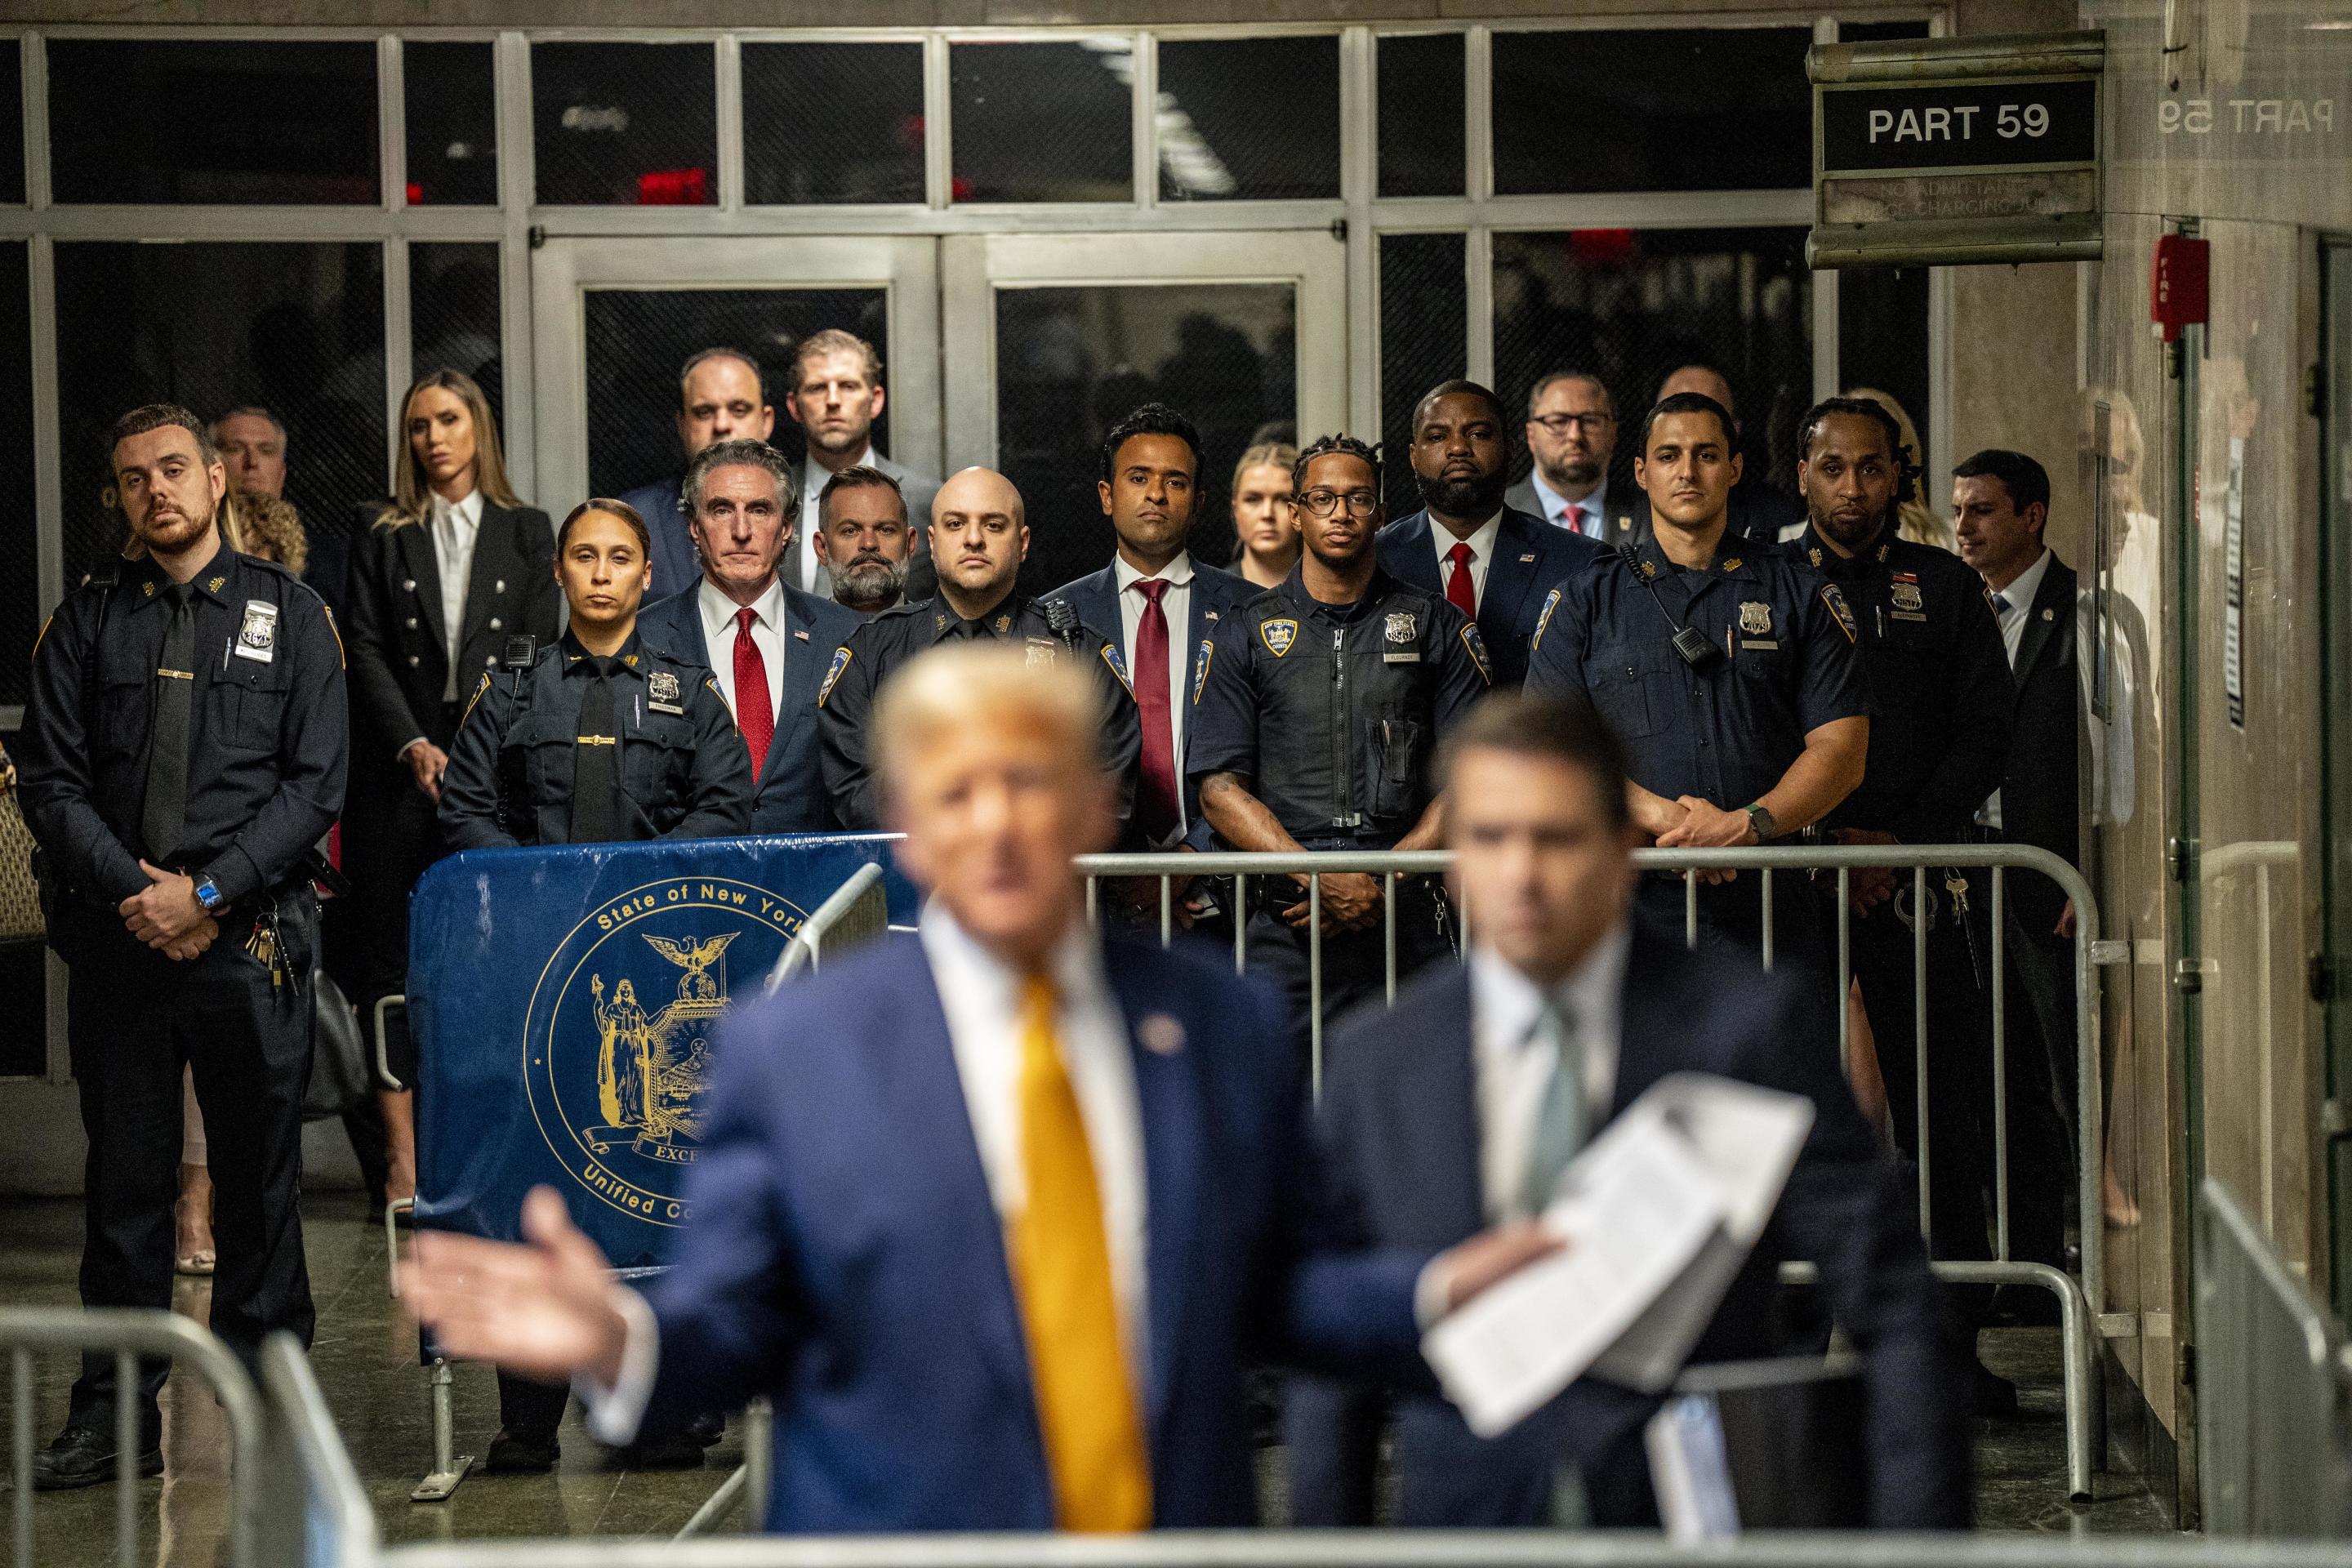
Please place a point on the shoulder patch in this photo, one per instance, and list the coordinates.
(1111, 656)
(1551, 602)
(53, 621)
(481, 686)
(342, 658)
(1840, 611)
(832, 674)
(1200, 676)
(1477, 647)
(1277, 635)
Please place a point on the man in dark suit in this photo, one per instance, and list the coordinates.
(720, 397)
(1571, 432)
(1491, 562)
(767, 644)
(2001, 508)
(1459, 1108)
(1162, 605)
(920, 1216)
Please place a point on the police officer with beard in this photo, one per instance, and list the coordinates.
(1315, 725)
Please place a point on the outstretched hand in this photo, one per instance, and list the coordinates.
(546, 1308)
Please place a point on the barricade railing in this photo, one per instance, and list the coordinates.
(2274, 1388)
(326, 1521)
(2078, 1302)
(131, 1334)
(855, 912)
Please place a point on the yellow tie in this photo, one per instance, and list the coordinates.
(1061, 1269)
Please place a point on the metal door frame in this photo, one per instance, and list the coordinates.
(904, 267)
(974, 267)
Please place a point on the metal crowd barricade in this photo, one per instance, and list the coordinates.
(855, 912)
(131, 1334)
(327, 1522)
(2078, 1302)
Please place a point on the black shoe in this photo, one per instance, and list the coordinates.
(706, 1430)
(1996, 1396)
(679, 1451)
(84, 1457)
(522, 1453)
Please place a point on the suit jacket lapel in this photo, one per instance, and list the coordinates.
(1650, 1037)
(1434, 1106)
(1509, 581)
(2041, 620)
(1167, 1098)
(421, 563)
(804, 666)
(1413, 561)
(494, 560)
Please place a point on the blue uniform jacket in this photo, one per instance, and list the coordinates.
(846, 1260)
(1530, 555)
(790, 795)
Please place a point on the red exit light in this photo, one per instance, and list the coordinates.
(674, 188)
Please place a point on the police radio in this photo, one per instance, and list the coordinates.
(1690, 645)
(1062, 620)
(513, 763)
(521, 650)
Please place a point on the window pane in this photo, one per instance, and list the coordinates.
(832, 122)
(12, 122)
(1072, 362)
(637, 338)
(1882, 339)
(1256, 119)
(624, 124)
(298, 329)
(452, 124)
(452, 316)
(251, 123)
(1683, 109)
(1043, 123)
(20, 556)
(1422, 136)
(1632, 306)
(1425, 339)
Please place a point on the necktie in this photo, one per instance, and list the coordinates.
(1061, 1271)
(1458, 591)
(595, 760)
(2001, 604)
(164, 816)
(1573, 515)
(1156, 801)
(1560, 1121)
(753, 715)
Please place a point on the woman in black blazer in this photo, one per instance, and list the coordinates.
(454, 567)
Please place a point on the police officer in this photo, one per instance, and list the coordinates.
(184, 754)
(1939, 677)
(599, 738)
(1729, 670)
(1314, 724)
(979, 535)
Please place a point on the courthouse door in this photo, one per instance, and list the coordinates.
(614, 319)
(1052, 339)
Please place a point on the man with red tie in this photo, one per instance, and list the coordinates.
(768, 644)
(1493, 561)
(1164, 606)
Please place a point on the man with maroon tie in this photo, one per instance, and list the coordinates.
(768, 644)
(1164, 606)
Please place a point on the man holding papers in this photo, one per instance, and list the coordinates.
(1465, 1105)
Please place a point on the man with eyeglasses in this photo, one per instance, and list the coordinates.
(1573, 433)
(1316, 719)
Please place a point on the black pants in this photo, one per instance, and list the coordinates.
(1733, 912)
(394, 838)
(134, 1017)
(1355, 962)
(532, 1409)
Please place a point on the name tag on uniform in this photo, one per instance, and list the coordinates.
(257, 638)
(1409, 656)
(1759, 642)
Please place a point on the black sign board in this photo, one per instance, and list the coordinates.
(1959, 126)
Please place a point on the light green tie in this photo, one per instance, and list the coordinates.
(1559, 1123)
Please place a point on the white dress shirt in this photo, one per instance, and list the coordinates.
(456, 526)
(1513, 1063)
(720, 628)
(981, 998)
(2018, 596)
(1176, 605)
(1588, 517)
(1482, 553)
(813, 577)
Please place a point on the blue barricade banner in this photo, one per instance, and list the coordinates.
(562, 1002)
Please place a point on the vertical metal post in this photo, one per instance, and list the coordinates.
(1167, 911)
(1690, 909)
(1093, 920)
(20, 1452)
(1388, 919)
(759, 1464)
(1315, 984)
(127, 1402)
(1766, 895)
(1919, 1027)
(2001, 1073)
(1845, 971)
(449, 1466)
(1240, 920)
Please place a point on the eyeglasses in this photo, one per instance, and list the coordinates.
(1561, 424)
(1322, 503)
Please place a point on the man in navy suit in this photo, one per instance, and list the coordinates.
(1164, 606)
(996, 1214)
(768, 644)
(720, 397)
(1492, 562)
(1458, 1108)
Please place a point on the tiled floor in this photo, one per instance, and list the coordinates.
(366, 1364)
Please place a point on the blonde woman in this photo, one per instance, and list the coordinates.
(1268, 535)
(452, 570)
(1914, 519)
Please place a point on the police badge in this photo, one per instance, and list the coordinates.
(1278, 635)
(257, 638)
(1042, 650)
(1401, 626)
(1906, 596)
(1755, 618)
(661, 692)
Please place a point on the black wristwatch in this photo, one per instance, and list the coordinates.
(1761, 821)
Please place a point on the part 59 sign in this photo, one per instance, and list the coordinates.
(1959, 126)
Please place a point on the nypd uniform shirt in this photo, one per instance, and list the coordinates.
(846, 701)
(268, 734)
(682, 772)
(1786, 660)
(1938, 680)
(1333, 712)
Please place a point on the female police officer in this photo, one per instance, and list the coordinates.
(598, 738)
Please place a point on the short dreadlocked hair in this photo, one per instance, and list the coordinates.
(1907, 469)
(1324, 447)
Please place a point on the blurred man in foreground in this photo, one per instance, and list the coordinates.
(920, 1216)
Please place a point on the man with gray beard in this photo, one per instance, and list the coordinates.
(864, 540)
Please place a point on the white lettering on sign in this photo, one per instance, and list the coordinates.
(1956, 123)
(2248, 116)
